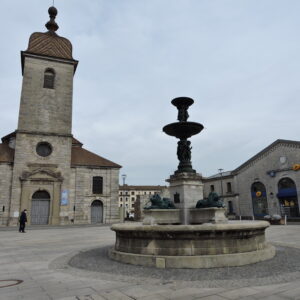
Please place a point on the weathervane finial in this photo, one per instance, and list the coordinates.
(51, 24)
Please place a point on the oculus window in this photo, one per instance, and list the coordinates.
(43, 149)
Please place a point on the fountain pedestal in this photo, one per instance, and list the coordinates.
(214, 215)
(185, 190)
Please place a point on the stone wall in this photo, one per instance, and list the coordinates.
(82, 196)
(28, 161)
(5, 189)
(42, 109)
(257, 171)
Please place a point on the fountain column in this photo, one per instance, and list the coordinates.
(186, 186)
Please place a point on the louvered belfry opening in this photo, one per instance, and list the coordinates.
(49, 78)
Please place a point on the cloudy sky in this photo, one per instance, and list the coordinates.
(239, 61)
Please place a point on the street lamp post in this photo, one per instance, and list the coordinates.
(124, 178)
(220, 171)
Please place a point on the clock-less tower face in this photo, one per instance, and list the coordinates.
(43, 137)
(46, 101)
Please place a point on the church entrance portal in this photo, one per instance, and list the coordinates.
(97, 212)
(40, 207)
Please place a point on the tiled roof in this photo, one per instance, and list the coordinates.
(79, 155)
(83, 157)
(6, 153)
(218, 175)
(6, 138)
(75, 142)
(140, 187)
(50, 44)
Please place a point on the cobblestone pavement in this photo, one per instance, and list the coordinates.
(35, 266)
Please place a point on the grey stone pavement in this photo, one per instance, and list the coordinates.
(40, 258)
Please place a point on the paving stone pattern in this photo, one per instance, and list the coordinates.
(40, 258)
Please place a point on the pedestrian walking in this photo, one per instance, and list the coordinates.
(23, 220)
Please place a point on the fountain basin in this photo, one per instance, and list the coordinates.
(180, 102)
(192, 246)
(183, 130)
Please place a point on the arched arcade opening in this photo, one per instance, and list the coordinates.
(287, 196)
(259, 199)
(97, 212)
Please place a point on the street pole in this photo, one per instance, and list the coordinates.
(220, 171)
(124, 178)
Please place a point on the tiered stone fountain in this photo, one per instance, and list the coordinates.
(181, 235)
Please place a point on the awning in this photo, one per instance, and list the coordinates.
(291, 192)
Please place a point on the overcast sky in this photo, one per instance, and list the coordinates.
(238, 59)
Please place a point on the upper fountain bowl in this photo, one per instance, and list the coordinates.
(182, 102)
(183, 130)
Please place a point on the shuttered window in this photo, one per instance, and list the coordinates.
(97, 185)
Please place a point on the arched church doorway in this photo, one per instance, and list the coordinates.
(259, 199)
(40, 208)
(287, 196)
(97, 212)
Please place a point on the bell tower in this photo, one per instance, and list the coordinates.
(44, 134)
(48, 68)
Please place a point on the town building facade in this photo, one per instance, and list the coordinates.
(129, 194)
(266, 184)
(43, 168)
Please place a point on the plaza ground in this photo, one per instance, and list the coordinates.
(39, 258)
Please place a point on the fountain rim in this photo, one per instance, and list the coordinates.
(232, 225)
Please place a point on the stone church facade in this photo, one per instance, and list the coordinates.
(43, 168)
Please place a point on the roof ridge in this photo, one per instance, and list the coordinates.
(263, 151)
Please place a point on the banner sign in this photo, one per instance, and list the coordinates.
(64, 197)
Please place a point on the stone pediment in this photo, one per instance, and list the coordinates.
(41, 174)
(265, 152)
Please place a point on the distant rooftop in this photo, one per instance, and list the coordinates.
(219, 175)
(141, 187)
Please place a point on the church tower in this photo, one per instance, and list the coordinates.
(43, 140)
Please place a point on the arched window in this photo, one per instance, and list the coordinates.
(286, 183)
(49, 78)
(288, 198)
(259, 199)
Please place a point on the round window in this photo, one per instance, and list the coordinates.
(43, 149)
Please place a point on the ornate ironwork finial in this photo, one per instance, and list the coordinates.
(51, 24)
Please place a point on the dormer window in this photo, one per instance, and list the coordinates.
(49, 77)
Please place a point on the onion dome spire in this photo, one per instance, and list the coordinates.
(51, 24)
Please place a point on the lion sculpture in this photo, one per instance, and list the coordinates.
(213, 200)
(159, 203)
